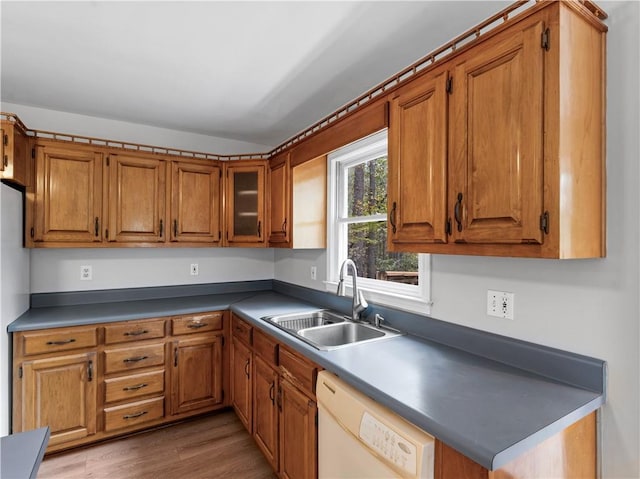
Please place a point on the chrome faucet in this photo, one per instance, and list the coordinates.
(359, 303)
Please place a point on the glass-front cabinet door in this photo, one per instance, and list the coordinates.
(245, 196)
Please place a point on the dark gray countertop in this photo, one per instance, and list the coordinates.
(21, 454)
(488, 410)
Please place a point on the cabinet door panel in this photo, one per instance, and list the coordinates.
(497, 141)
(197, 373)
(241, 382)
(245, 196)
(195, 203)
(418, 163)
(60, 393)
(136, 199)
(279, 206)
(298, 434)
(68, 195)
(265, 410)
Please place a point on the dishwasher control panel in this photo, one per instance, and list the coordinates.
(388, 443)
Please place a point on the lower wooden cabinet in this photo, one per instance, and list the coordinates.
(265, 410)
(298, 433)
(241, 390)
(89, 383)
(196, 378)
(59, 392)
(273, 394)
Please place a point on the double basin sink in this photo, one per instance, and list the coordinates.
(326, 330)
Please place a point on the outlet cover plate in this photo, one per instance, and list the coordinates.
(86, 272)
(500, 304)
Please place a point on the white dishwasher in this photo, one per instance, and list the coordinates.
(358, 438)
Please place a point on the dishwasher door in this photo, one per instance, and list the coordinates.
(358, 438)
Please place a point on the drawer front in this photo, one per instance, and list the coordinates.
(120, 417)
(266, 347)
(133, 386)
(133, 331)
(136, 357)
(54, 340)
(299, 370)
(241, 329)
(195, 323)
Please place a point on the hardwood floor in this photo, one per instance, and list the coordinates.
(215, 446)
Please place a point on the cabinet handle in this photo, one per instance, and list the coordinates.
(161, 228)
(6, 161)
(136, 333)
(272, 395)
(133, 416)
(197, 325)
(60, 343)
(135, 388)
(392, 217)
(90, 371)
(259, 229)
(175, 357)
(246, 368)
(284, 226)
(280, 398)
(135, 359)
(175, 228)
(457, 211)
(97, 226)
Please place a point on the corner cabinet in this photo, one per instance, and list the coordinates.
(245, 200)
(14, 151)
(494, 153)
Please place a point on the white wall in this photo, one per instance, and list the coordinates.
(59, 269)
(14, 286)
(586, 306)
(71, 123)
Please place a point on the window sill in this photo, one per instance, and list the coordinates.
(412, 304)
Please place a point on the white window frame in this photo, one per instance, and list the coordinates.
(416, 299)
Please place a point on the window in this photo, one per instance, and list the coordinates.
(357, 229)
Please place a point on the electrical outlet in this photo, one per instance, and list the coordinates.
(314, 273)
(194, 269)
(86, 272)
(500, 304)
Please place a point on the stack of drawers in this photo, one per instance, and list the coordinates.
(134, 375)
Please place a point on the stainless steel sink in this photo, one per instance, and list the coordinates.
(327, 330)
(298, 321)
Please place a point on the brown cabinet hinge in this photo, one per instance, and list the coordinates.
(222, 399)
(546, 42)
(33, 153)
(219, 235)
(447, 227)
(544, 222)
(33, 233)
(5, 139)
(450, 85)
(20, 372)
(107, 161)
(223, 341)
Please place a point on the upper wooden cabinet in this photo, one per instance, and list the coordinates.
(280, 199)
(494, 153)
(417, 180)
(68, 195)
(298, 203)
(14, 151)
(195, 202)
(245, 199)
(136, 199)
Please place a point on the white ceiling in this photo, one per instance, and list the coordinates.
(253, 71)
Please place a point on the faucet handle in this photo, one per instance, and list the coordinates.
(377, 319)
